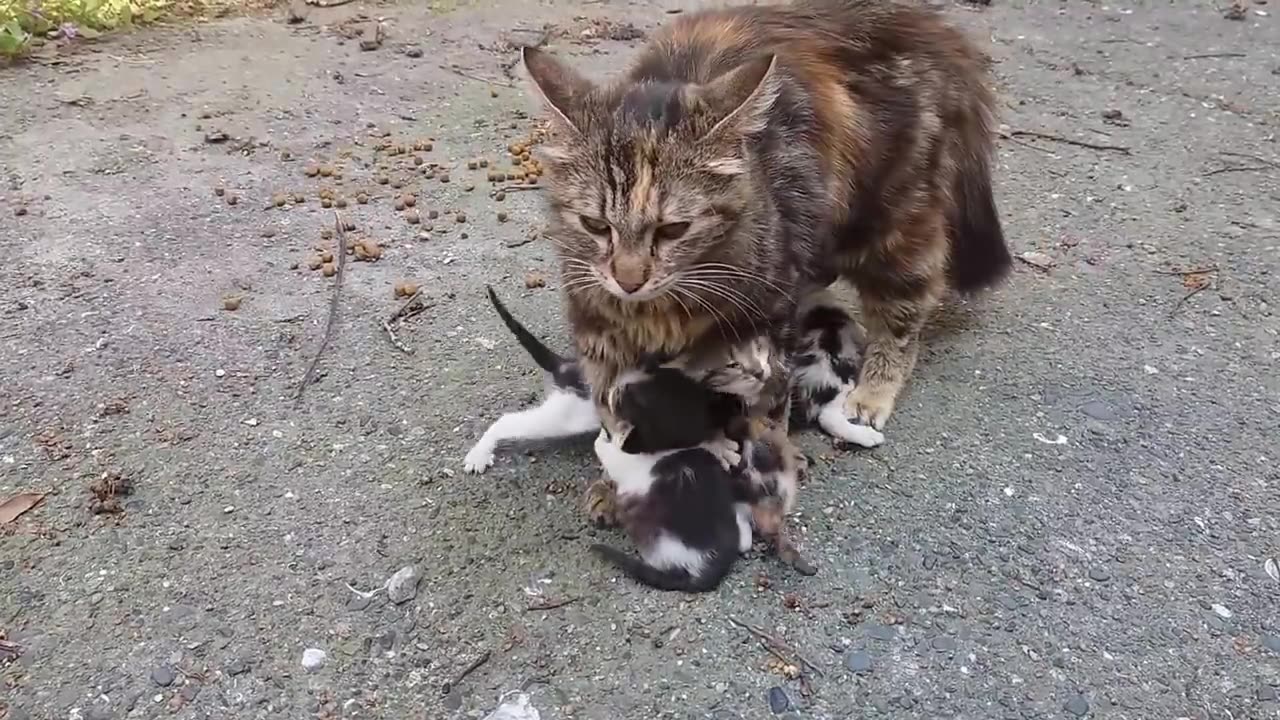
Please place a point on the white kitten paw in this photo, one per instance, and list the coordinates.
(861, 435)
(727, 452)
(478, 459)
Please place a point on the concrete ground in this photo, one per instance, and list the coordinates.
(1076, 514)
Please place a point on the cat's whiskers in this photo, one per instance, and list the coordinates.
(737, 273)
(749, 310)
(720, 320)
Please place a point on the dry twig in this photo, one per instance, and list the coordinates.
(552, 605)
(1067, 141)
(1205, 56)
(775, 643)
(518, 188)
(340, 229)
(478, 78)
(475, 665)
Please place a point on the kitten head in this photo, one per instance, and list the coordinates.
(747, 370)
(649, 182)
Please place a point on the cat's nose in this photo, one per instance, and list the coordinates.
(630, 285)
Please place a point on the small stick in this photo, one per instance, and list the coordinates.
(518, 188)
(341, 231)
(478, 78)
(400, 312)
(775, 642)
(475, 665)
(391, 335)
(552, 605)
(1068, 141)
(1192, 271)
(1026, 144)
(1239, 168)
(1188, 296)
(1205, 56)
(1247, 156)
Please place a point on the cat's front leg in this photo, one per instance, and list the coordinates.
(727, 451)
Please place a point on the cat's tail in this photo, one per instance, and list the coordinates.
(546, 358)
(674, 579)
(979, 255)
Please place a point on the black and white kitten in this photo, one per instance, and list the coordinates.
(825, 368)
(671, 465)
(765, 487)
(566, 411)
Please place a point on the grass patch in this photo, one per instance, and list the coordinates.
(23, 23)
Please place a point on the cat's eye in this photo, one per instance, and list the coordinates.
(593, 225)
(670, 231)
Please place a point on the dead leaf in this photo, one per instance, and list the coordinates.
(1196, 280)
(13, 507)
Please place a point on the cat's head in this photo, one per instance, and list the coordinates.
(650, 184)
(746, 371)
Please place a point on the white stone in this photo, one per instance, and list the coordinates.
(313, 659)
(403, 586)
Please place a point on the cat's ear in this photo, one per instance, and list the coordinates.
(739, 100)
(558, 86)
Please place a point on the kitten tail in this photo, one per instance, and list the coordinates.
(546, 358)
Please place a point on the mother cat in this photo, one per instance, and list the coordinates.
(754, 154)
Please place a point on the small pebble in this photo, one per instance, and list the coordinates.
(340, 202)
(163, 676)
(403, 586)
(502, 216)
(383, 180)
(858, 661)
(461, 217)
(500, 196)
(237, 666)
(444, 178)
(1272, 643)
(1078, 706)
(231, 200)
(412, 217)
(219, 373)
(219, 191)
(1099, 574)
(433, 214)
(778, 700)
(313, 659)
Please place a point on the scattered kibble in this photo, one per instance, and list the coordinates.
(502, 216)
(326, 203)
(469, 187)
(409, 199)
(326, 234)
(412, 217)
(326, 171)
(500, 196)
(279, 199)
(362, 198)
(383, 180)
(484, 162)
(329, 269)
(461, 217)
(444, 178)
(368, 250)
(534, 280)
(406, 288)
(398, 204)
(493, 92)
(417, 160)
(231, 304)
(219, 191)
(311, 170)
(472, 164)
(326, 257)
(315, 263)
(231, 200)
(433, 214)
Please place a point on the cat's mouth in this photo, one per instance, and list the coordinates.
(650, 289)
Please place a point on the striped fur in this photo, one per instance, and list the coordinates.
(752, 154)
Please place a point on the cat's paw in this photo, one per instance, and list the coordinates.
(478, 459)
(727, 451)
(871, 404)
(860, 435)
(601, 503)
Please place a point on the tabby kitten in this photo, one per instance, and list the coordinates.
(753, 154)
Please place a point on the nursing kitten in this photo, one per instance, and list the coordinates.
(677, 506)
(671, 465)
(825, 369)
(754, 154)
(566, 411)
(765, 490)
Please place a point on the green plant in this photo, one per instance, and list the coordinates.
(14, 40)
(23, 21)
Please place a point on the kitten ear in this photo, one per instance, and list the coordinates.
(558, 86)
(741, 98)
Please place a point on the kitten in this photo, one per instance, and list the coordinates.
(754, 154)
(566, 411)
(825, 370)
(677, 506)
(765, 490)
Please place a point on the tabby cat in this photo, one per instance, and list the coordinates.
(753, 154)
